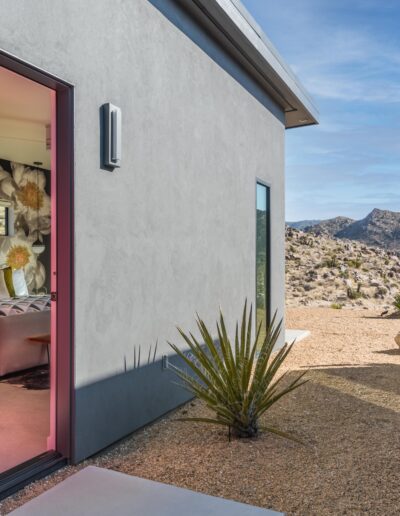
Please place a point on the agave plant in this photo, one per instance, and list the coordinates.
(236, 380)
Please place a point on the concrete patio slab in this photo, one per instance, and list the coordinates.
(297, 335)
(101, 492)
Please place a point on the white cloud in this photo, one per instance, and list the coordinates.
(349, 88)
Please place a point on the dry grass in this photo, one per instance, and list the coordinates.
(348, 414)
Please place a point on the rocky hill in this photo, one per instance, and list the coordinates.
(327, 271)
(302, 224)
(380, 228)
(330, 227)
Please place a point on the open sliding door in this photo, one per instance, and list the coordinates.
(36, 272)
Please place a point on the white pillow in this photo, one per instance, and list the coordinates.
(19, 282)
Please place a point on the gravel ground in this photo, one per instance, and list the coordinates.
(348, 414)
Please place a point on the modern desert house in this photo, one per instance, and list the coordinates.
(141, 180)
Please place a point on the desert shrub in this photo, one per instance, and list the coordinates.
(236, 378)
(354, 294)
(380, 292)
(336, 306)
(331, 262)
(311, 275)
(356, 263)
(306, 240)
(396, 302)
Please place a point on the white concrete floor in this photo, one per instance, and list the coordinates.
(101, 492)
(24, 424)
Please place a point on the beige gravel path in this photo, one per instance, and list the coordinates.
(349, 414)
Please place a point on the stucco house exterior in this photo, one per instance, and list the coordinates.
(171, 224)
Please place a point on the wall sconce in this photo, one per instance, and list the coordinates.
(111, 136)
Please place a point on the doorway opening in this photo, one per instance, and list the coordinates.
(25, 274)
(35, 271)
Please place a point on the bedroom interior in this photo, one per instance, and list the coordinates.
(25, 267)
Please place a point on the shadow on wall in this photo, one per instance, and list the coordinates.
(110, 409)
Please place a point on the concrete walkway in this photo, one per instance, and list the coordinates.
(297, 335)
(101, 492)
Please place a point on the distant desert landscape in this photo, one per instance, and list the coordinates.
(326, 268)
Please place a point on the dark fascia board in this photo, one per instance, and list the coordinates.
(234, 28)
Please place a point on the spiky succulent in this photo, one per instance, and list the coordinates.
(237, 381)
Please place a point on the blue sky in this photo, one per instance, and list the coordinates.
(347, 55)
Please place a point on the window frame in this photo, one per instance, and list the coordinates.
(267, 272)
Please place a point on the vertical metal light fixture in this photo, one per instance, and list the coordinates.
(111, 136)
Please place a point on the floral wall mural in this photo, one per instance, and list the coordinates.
(27, 189)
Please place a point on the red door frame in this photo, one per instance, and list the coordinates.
(64, 244)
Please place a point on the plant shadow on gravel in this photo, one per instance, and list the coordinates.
(392, 352)
(385, 377)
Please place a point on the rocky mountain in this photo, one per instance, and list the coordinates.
(380, 228)
(327, 271)
(302, 224)
(330, 227)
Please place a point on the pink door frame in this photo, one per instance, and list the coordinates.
(61, 252)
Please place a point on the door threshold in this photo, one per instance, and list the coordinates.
(18, 477)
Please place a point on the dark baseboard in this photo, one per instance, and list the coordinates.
(16, 478)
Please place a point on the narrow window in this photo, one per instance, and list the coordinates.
(262, 258)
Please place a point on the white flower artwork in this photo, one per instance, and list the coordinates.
(25, 188)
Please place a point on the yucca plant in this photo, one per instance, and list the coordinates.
(236, 379)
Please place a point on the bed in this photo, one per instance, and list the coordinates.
(20, 319)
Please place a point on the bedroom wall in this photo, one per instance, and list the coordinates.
(23, 141)
(173, 230)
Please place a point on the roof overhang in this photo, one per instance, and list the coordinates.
(234, 28)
